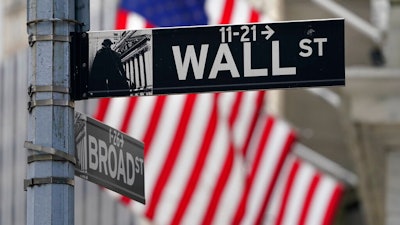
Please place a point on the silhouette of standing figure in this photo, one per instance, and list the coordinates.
(107, 71)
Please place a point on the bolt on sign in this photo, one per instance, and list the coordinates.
(208, 58)
(109, 158)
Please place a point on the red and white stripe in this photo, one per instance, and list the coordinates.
(195, 169)
(303, 195)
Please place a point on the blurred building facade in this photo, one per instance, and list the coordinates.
(357, 126)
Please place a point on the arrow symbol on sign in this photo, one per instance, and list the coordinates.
(269, 32)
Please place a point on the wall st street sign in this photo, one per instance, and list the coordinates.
(109, 158)
(209, 58)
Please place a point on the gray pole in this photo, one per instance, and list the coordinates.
(50, 139)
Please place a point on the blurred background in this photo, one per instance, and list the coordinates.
(356, 127)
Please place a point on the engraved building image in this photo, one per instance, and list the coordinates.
(121, 63)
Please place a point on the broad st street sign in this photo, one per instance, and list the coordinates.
(208, 58)
(109, 158)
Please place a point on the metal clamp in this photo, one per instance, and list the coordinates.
(52, 20)
(60, 38)
(45, 157)
(52, 154)
(48, 180)
(50, 102)
(47, 88)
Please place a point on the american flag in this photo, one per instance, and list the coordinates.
(215, 158)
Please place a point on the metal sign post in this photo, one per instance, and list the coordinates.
(50, 138)
(209, 58)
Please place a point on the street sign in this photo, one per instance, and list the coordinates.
(209, 58)
(109, 157)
